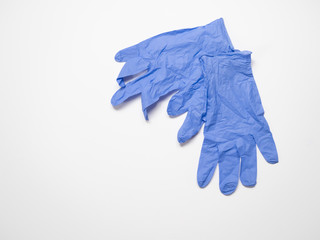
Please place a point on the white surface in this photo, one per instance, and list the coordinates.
(73, 167)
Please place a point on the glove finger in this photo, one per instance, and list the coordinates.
(267, 146)
(263, 137)
(156, 89)
(177, 104)
(131, 89)
(126, 54)
(191, 126)
(207, 163)
(229, 164)
(193, 95)
(124, 93)
(131, 69)
(248, 153)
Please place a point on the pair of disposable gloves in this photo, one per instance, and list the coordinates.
(215, 86)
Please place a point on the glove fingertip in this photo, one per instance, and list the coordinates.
(273, 160)
(267, 147)
(114, 101)
(181, 139)
(183, 135)
(145, 114)
(171, 112)
(248, 183)
(176, 106)
(170, 109)
(272, 155)
(121, 82)
(228, 188)
(119, 97)
(202, 184)
(118, 57)
(269, 153)
(174, 111)
(189, 129)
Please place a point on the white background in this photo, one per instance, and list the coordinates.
(73, 167)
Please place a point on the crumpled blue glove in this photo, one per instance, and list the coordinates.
(234, 121)
(167, 62)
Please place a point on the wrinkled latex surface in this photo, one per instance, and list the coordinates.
(169, 62)
(234, 121)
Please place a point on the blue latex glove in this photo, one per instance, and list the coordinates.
(234, 121)
(168, 62)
